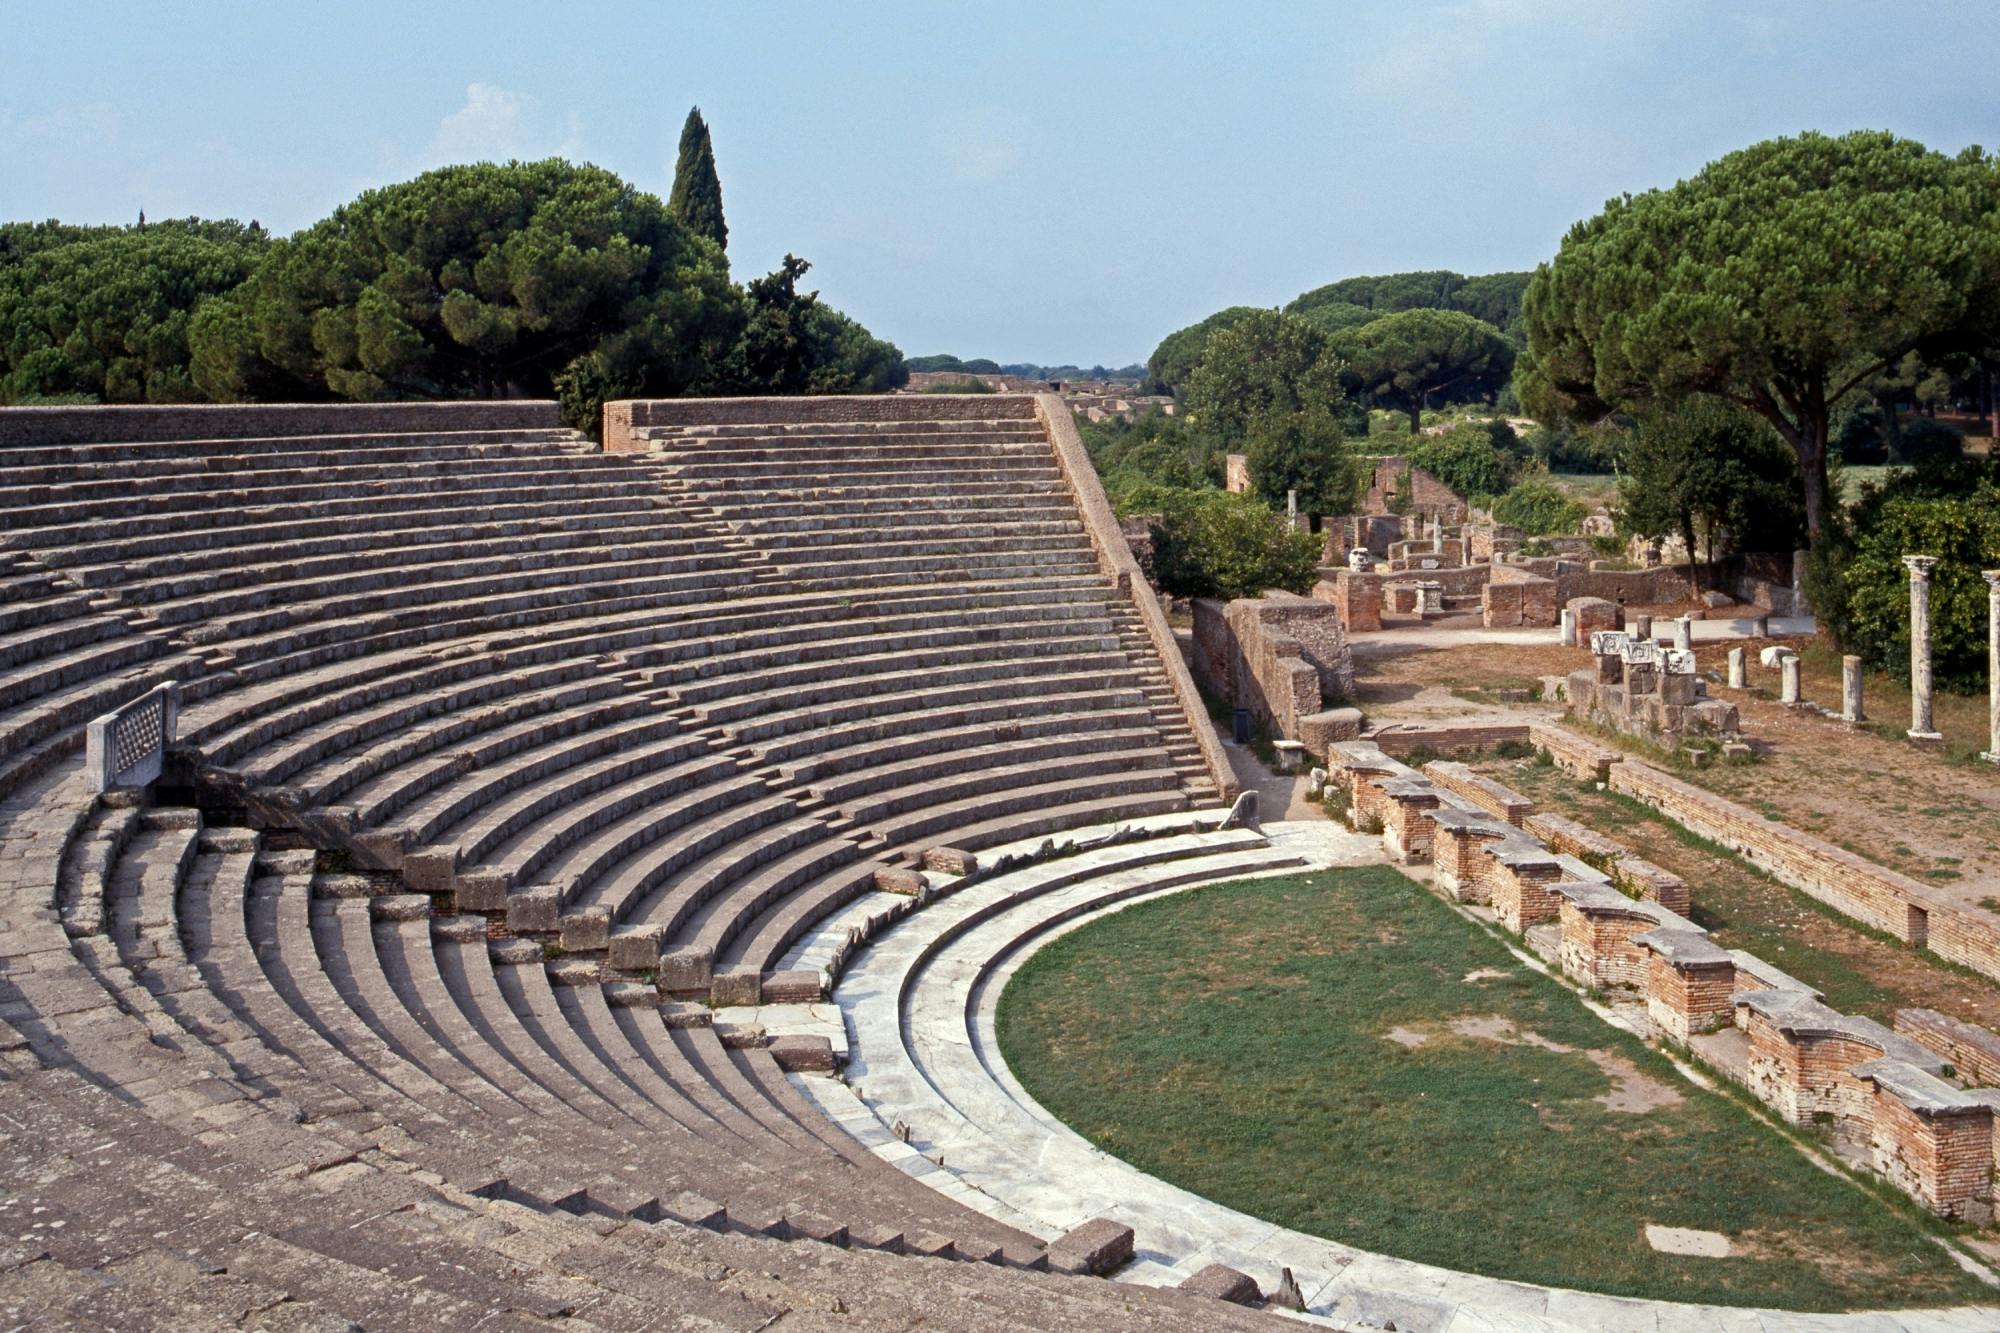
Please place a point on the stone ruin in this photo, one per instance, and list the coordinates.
(1283, 657)
(1916, 1105)
(1640, 689)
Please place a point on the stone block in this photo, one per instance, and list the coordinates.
(482, 891)
(431, 869)
(1222, 1283)
(802, 1054)
(738, 986)
(686, 972)
(897, 879)
(634, 949)
(951, 861)
(586, 930)
(682, 1016)
(1097, 1247)
(798, 986)
(536, 910)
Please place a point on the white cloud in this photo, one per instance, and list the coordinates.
(497, 124)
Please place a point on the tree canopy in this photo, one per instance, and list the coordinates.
(1181, 351)
(476, 281)
(103, 312)
(1778, 278)
(1493, 297)
(1264, 364)
(696, 199)
(1407, 357)
(1713, 474)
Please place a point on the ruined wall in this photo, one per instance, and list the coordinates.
(1357, 598)
(1283, 657)
(1427, 495)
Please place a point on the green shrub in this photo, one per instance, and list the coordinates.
(967, 385)
(1216, 544)
(1539, 508)
(1465, 459)
(1927, 443)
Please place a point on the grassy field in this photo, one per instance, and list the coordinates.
(1343, 1054)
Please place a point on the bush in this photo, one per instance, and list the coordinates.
(1539, 508)
(1465, 459)
(1563, 448)
(1215, 544)
(959, 386)
(1927, 443)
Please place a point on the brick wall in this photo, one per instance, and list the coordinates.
(1869, 893)
(1356, 598)
(32, 426)
(1490, 796)
(1944, 1160)
(1572, 753)
(1427, 495)
(1280, 656)
(1402, 740)
(644, 412)
(1969, 1048)
(1686, 999)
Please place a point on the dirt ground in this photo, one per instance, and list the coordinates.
(1928, 815)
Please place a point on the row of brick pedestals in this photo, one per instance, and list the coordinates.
(1886, 1098)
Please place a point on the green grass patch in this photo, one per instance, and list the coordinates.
(1236, 1040)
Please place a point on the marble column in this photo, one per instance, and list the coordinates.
(1788, 688)
(1992, 577)
(1736, 678)
(1684, 634)
(1761, 627)
(1850, 690)
(1568, 628)
(1642, 626)
(1920, 566)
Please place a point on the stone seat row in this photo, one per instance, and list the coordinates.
(435, 1001)
(550, 750)
(1887, 1101)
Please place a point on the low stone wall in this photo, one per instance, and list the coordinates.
(1869, 893)
(1969, 1048)
(118, 424)
(1515, 597)
(1660, 586)
(1573, 754)
(1399, 741)
(1883, 1094)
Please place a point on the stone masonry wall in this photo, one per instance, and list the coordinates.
(33, 426)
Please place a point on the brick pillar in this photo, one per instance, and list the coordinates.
(1921, 727)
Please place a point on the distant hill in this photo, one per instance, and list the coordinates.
(1024, 369)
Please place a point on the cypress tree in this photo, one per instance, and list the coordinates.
(696, 201)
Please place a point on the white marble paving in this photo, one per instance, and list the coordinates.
(918, 1009)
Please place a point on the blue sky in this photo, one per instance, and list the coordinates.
(1049, 183)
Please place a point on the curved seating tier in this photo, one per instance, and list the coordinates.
(517, 744)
